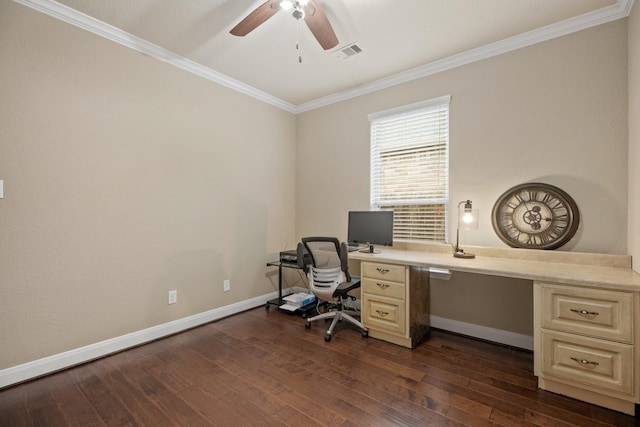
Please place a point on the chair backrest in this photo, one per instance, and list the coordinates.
(329, 264)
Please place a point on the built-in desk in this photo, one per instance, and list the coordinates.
(586, 312)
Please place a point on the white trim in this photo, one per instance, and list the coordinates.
(86, 22)
(621, 9)
(47, 365)
(483, 332)
(50, 364)
(410, 108)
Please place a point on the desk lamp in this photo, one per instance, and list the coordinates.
(468, 220)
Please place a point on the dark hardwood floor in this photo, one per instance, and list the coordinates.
(264, 368)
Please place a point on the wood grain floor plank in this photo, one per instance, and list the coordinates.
(274, 379)
(108, 407)
(536, 408)
(127, 392)
(239, 385)
(13, 409)
(44, 411)
(303, 396)
(177, 411)
(72, 402)
(264, 368)
(381, 387)
(292, 417)
(509, 420)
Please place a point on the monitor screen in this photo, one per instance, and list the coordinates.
(370, 228)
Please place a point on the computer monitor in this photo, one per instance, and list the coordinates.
(370, 228)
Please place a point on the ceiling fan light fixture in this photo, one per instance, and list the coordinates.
(298, 13)
(315, 19)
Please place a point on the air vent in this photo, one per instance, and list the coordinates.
(349, 51)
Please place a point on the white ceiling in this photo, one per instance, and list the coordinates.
(400, 39)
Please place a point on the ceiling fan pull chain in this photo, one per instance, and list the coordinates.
(298, 41)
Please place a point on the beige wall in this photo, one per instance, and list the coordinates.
(634, 135)
(124, 178)
(554, 112)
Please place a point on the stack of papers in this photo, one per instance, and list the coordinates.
(295, 301)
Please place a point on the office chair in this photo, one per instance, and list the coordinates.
(329, 280)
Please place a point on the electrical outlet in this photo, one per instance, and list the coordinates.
(173, 297)
(226, 285)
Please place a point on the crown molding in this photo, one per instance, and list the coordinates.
(620, 10)
(86, 22)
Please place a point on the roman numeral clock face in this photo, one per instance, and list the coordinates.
(535, 216)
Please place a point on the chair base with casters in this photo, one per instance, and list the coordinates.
(337, 314)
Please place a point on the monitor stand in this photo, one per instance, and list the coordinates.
(369, 249)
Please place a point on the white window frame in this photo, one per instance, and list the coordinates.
(390, 132)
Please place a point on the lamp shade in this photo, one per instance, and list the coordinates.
(467, 216)
(467, 220)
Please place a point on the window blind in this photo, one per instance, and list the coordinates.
(410, 168)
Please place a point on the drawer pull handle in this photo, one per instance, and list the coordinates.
(382, 313)
(382, 285)
(585, 362)
(382, 270)
(585, 312)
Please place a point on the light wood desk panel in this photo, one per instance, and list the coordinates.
(568, 273)
(582, 269)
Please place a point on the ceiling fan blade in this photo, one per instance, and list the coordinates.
(255, 18)
(319, 25)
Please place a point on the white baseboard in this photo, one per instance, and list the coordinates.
(47, 365)
(483, 332)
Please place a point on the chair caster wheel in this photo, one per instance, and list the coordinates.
(327, 337)
(307, 324)
(365, 334)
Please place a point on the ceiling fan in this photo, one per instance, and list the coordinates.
(309, 10)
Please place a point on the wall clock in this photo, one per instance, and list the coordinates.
(535, 216)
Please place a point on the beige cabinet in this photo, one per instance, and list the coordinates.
(395, 302)
(585, 344)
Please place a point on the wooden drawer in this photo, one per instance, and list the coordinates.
(390, 272)
(593, 312)
(602, 364)
(384, 288)
(383, 313)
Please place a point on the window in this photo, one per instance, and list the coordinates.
(410, 168)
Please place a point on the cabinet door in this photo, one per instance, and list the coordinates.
(603, 364)
(390, 272)
(383, 288)
(383, 313)
(593, 312)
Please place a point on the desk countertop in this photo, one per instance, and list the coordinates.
(593, 270)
